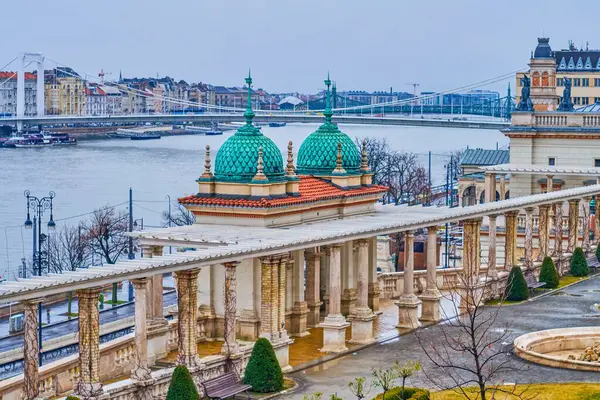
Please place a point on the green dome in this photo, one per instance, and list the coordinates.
(318, 153)
(237, 158)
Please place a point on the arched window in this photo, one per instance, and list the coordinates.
(536, 79)
(469, 197)
(545, 80)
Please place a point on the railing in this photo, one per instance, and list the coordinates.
(591, 120)
(551, 120)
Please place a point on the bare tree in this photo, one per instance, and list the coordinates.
(469, 349)
(105, 234)
(180, 217)
(453, 162)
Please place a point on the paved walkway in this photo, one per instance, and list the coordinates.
(570, 307)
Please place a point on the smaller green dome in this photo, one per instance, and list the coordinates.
(318, 153)
(237, 158)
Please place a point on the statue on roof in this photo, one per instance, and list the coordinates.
(525, 104)
(566, 104)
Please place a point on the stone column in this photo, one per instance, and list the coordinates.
(282, 267)
(586, 224)
(573, 221)
(510, 239)
(313, 292)
(529, 239)
(543, 231)
(31, 349)
(362, 319)
(187, 300)
(492, 267)
(408, 302)
(469, 288)
(300, 307)
(89, 385)
(503, 187)
(334, 326)
(597, 221)
(558, 229)
(430, 310)
(549, 183)
(374, 289)
(141, 372)
(230, 346)
(490, 188)
(348, 278)
(269, 313)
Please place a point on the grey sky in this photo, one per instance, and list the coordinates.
(290, 45)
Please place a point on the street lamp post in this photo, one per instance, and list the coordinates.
(38, 206)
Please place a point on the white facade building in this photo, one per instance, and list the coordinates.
(8, 93)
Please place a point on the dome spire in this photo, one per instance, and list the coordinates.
(290, 170)
(364, 165)
(249, 114)
(260, 175)
(339, 164)
(207, 173)
(328, 113)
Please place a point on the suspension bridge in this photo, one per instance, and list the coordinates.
(425, 110)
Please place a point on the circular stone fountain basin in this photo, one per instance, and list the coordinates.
(553, 347)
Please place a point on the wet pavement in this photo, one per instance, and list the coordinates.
(570, 307)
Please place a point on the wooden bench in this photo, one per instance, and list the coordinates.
(225, 386)
(532, 283)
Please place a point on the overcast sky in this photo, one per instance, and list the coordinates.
(290, 45)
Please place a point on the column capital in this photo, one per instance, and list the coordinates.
(187, 273)
(512, 213)
(409, 234)
(231, 264)
(140, 283)
(545, 206)
(493, 216)
(89, 292)
(33, 302)
(472, 221)
(587, 198)
(529, 210)
(432, 229)
(312, 255)
(274, 259)
(574, 201)
(362, 242)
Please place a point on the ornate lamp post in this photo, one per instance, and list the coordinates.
(38, 206)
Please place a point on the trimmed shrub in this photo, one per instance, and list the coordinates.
(72, 398)
(548, 274)
(410, 393)
(182, 385)
(516, 289)
(263, 372)
(598, 252)
(579, 266)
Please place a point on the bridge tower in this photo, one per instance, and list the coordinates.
(37, 58)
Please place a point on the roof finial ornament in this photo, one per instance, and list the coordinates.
(364, 165)
(260, 175)
(328, 113)
(249, 114)
(290, 170)
(339, 167)
(207, 167)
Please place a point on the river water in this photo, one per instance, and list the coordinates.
(97, 173)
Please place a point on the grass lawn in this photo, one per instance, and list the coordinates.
(118, 302)
(546, 391)
(564, 281)
(568, 279)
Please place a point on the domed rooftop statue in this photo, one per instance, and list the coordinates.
(318, 153)
(237, 158)
(543, 49)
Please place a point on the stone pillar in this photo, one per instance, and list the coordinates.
(362, 319)
(230, 346)
(490, 188)
(313, 292)
(187, 300)
(282, 273)
(141, 372)
(430, 310)
(597, 222)
(408, 302)
(89, 385)
(573, 221)
(549, 184)
(469, 288)
(529, 239)
(586, 224)
(558, 229)
(503, 187)
(31, 349)
(384, 259)
(492, 267)
(374, 289)
(543, 231)
(510, 239)
(300, 307)
(334, 326)
(348, 279)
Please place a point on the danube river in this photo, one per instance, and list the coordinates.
(97, 173)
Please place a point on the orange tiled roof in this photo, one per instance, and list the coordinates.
(13, 75)
(311, 190)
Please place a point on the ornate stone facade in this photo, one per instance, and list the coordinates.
(89, 385)
(187, 287)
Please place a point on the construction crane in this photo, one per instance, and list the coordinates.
(415, 86)
(101, 75)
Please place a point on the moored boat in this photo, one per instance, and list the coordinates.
(277, 124)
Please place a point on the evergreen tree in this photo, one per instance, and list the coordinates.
(516, 288)
(263, 372)
(548, 273)
(182, 385)
(579, 266)
(598, 252)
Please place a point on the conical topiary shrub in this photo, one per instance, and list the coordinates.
(598, 252)
(579, 266)
(263, 372)
(548, 273)
(182, 385)
(516, 288)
